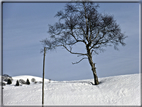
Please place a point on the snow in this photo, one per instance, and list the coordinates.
(115, 90)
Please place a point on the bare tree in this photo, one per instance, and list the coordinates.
(82, 23)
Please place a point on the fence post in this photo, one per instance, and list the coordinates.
(43, 77)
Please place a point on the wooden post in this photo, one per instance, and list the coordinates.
(43, 77)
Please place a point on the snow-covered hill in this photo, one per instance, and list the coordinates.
(115, 90)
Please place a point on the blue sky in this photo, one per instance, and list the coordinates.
(26, 24)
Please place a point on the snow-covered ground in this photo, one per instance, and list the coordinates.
(115, 90)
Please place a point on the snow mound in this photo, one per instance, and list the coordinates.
(115, 90)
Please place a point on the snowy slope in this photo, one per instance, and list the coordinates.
(116, 90)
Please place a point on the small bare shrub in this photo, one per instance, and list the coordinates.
(33, 80)
(22, 81)
(40, 81)
(6, 78)
(49, 81)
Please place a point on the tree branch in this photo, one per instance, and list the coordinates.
(96, 35)
(86, 23)
(73, 35)
(73, 52)
(77, 39)
(98, 40)
(79, 61)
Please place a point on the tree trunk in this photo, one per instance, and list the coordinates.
(96, 82)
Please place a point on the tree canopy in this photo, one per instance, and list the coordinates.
(81, 22)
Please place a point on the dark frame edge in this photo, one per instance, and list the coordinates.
(67, 1)
(43, 1)
(1, 52)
